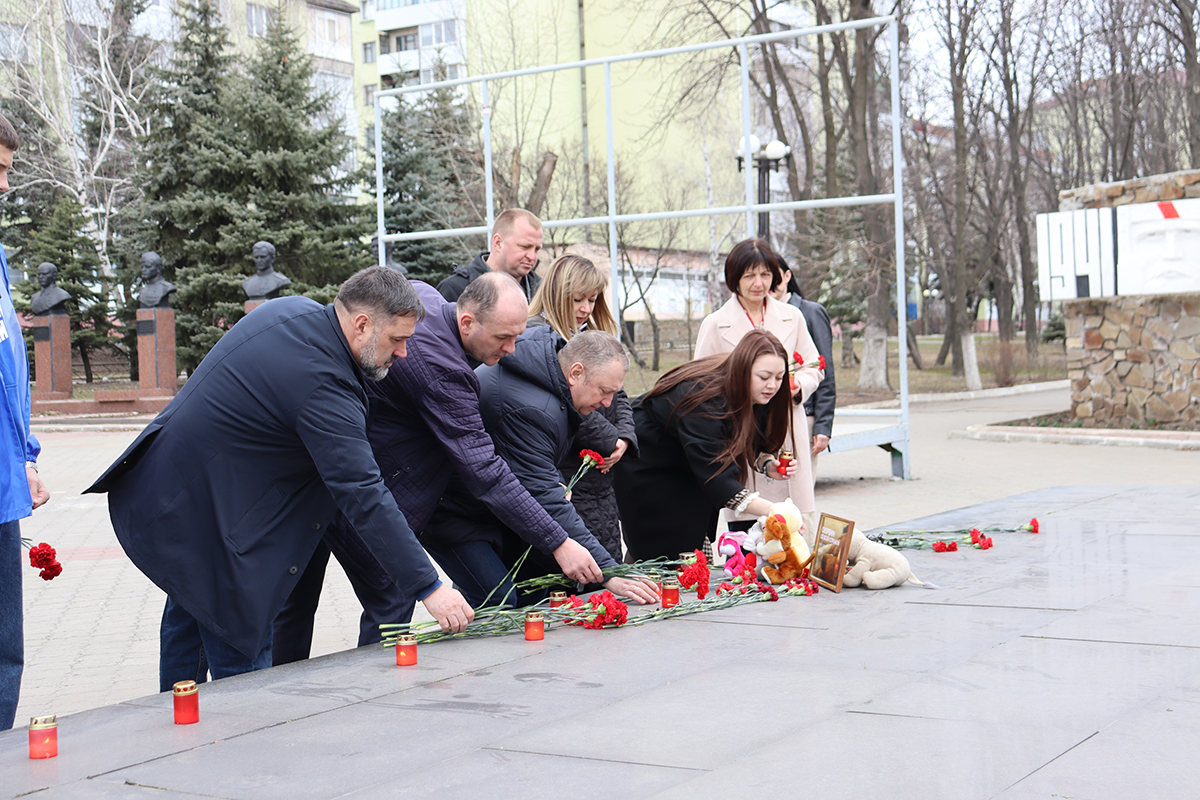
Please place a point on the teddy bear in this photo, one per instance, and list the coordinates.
(778, 540)
(730, 544)
(875, 565)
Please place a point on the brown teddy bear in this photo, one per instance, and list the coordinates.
(783, 559)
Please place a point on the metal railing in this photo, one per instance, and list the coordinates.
(898, 444)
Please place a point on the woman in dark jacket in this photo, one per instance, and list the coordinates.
(702, 428)
(571, 299)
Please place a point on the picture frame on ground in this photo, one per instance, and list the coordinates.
(830, 550)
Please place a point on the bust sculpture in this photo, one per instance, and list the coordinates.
(265, 283)
(50, 299)
(156, 293)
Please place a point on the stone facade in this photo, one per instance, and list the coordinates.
(1134, 358)
(1154, 189)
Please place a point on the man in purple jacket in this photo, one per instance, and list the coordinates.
(426, 430)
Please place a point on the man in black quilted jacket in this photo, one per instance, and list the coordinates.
(426, 431)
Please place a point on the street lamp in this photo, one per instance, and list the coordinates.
(766, 159)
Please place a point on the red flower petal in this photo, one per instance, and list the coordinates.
(1033, 525)
(952, 547)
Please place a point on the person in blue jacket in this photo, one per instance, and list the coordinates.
(21, 490)
(224, 497)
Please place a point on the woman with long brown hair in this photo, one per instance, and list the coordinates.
(571, 299)
(703, 430)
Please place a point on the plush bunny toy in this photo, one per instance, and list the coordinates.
(875, 565)
(730, 545)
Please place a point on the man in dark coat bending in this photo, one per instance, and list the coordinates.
(532, 402)
(223, 497)
(426, 432)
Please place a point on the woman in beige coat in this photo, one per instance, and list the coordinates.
(751, 272)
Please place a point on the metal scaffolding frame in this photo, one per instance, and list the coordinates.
(893, 438)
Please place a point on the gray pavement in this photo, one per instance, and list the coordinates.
(91, 634)
(1062, 664)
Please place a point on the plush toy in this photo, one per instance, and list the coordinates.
(782, 547)
(730, 545)
(875, 565)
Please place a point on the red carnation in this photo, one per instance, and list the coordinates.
(796, 357)
(940, 547)
(952, 547)
(51, 572)
(1032, 525)
(41, 556)
(585, 454)
(821, 362)
(975, 534)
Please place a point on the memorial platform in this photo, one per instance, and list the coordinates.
(1064, 663)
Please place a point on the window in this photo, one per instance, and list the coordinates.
(385, 45)
(368, 11)
(369, 94)
(406, 41)
(258, 20)
(368, 52)
(438, 33)
(327, 27)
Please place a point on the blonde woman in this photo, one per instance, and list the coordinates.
(571, 299)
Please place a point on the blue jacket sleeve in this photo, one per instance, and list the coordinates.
(333, 427)
(451, 410)
(534, 464)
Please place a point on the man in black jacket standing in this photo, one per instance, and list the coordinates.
(532, 402)
(516, 242)
(223, 498)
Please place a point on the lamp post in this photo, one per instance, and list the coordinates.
(766, 159)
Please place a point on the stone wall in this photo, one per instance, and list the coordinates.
(1154, 189)
(1134, 359)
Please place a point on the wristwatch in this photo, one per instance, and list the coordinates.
(32, 464)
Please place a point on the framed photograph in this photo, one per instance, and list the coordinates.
(832, 546)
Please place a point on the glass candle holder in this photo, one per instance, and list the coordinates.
(43, 737)
(558, 599)
(670, 594)
(535, 626)
(187, 702)
(406, 651)
(785, 460)
(656, 579)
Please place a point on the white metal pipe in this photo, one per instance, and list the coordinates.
(794, 33)
(578, 222)
(747, 156)
(380, 224)
(614, 265)
(898, 210)
(489, 188)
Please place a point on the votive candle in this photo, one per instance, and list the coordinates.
(187, 702)
(558, 599)
(43, 737)
(670, 594)
(535, 626)
(785, 460)
(406, 651)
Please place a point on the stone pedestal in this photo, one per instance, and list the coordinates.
(1135, 358)
(52, 356)
(157, 369)
(253, 304)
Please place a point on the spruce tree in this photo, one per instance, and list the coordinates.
(61, 242)
(189, 185)
(293, 158)
(431, 180)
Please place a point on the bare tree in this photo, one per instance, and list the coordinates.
(84, 79)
